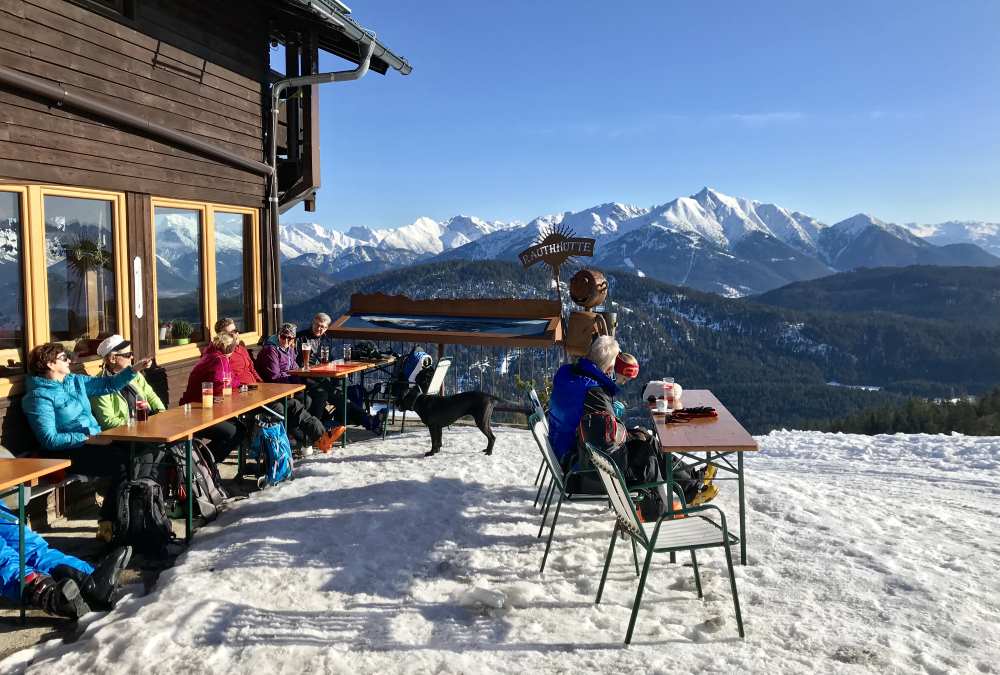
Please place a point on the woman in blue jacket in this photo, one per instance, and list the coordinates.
(57, 406)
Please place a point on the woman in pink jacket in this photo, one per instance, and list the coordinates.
(214, 366)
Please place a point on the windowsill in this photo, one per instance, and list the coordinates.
(11, 385)
(192, 350)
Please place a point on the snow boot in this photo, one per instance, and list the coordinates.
(707, 494)
(98, 587)
(61, 598)
(709, 474)
(325, 442)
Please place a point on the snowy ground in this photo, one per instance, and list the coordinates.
(866, 555)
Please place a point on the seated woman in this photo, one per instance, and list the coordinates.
(57, 406)
(278, 357)
(240, 360)
(275, 359)
(214, 366)
(56, 583)
(114, 409)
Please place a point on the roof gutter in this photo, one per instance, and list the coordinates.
(63, 98)
(333, 12)
(277, 90)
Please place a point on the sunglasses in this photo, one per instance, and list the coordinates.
(287, 336)
(64, 357)
(123, 355)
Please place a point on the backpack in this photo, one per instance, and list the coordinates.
(141, 517)
(415, 364)
(270, 447)
(206, 483)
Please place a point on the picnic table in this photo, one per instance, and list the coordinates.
(341, 371)
(15, 474)
(719, 438)
(170, 426)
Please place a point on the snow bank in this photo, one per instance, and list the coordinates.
(866, 555)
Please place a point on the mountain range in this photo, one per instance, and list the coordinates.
(709, 241)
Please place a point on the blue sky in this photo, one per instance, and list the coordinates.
(517, 109)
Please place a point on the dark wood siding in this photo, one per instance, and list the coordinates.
(147, 68)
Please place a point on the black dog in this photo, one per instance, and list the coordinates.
(438, 412)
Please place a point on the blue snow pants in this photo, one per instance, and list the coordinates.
(38, 557)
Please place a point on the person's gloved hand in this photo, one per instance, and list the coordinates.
(619, 408)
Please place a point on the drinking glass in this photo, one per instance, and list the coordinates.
(306, 353)
(141, 411)
(347, 353)
(324, 355)
(227, 386)
(207, 389)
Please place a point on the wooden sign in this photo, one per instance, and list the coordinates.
(556, 246)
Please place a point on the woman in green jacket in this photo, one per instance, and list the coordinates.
(113, 410)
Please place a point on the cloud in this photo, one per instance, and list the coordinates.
(761, 119)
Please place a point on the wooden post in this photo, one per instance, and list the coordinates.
(440, 356)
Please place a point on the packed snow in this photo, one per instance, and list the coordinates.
(866, 554)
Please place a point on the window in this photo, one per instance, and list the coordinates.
(233, 268)
(11, 286)
(178, 241)
(80, 272)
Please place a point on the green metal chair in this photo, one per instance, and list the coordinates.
(558, 483)
(543, 471)
(666, 535)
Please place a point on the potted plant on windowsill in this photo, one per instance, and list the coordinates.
(180, 331)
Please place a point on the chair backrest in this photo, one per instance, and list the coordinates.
(536, 405)
(618, 492)
(438, 379)
(540, 430)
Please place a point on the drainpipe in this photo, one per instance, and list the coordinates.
(276, 90)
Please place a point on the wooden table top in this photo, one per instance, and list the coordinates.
(15, 471)
(174, 425)
(342, 371)
(711, 434)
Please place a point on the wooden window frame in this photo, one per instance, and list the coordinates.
(165, 355)
(9, 382)
(39, 284)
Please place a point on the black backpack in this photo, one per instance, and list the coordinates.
(365, 350)
(141, 519)
(206, 483)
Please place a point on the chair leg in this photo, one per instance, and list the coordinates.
(538, 475)
(402, 425)
(552, 531)
(548, 503)
(541, 485)
(635, 556)
(638, 596)
(697, 576)
(732, 585)
(607, 562)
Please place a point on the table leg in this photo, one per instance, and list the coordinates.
(343, 439)
(131, 461)
(670, 496)
(20, 547)
(189, 523)
(743, 510)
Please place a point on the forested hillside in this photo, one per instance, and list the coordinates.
(770, 365)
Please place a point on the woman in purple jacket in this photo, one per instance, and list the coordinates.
(273, 363)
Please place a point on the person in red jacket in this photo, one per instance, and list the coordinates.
(216, 367)
(240, 359)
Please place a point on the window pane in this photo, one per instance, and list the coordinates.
(11, 296)
(178, 275)
(232, 268)
(79, 246)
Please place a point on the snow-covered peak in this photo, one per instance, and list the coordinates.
(858, 223)
(983, 234)
(299, 238)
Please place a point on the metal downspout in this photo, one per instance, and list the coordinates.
(273, 199)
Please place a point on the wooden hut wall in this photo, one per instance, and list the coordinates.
(190, 65)
(163, 66)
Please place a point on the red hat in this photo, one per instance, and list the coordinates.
(626, 365)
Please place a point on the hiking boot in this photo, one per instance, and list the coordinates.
(709, 474)
(105, 531)
(61, 598)
(377, 423)
(707, 494)
(99, 586)
(325, 442)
